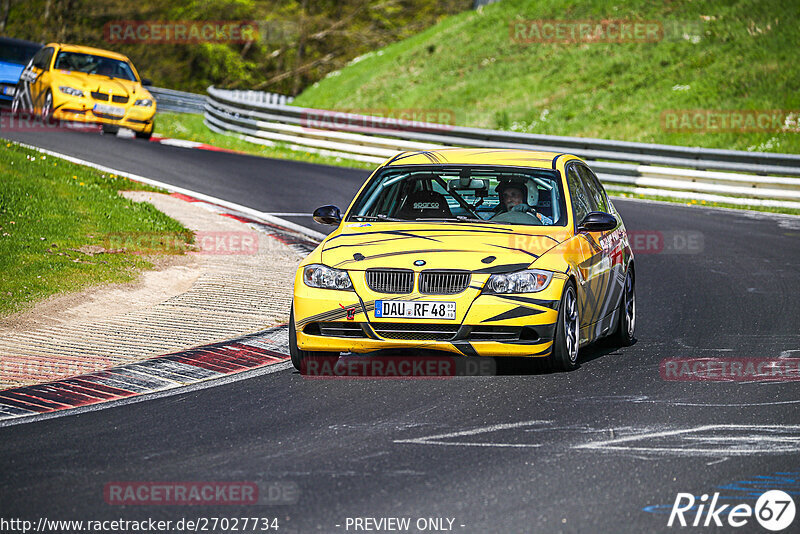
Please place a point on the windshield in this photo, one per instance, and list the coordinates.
(103, 66)
(19, 53)
(498, 195)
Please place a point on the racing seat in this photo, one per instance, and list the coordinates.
(426, 205)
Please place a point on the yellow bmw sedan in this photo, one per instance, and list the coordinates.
(476, 252)
(89, 85)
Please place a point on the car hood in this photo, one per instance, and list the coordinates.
(10, 72)
(475, 247)
(91, 82)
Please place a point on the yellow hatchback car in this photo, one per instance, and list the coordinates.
(89, 85)
(476, 252)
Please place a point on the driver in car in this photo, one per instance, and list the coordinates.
(519, 201)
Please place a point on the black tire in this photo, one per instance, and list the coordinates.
(566, 344)
(47, 107)
(300, 358)
(16, 103)
(623, 335)
(110, 129)
(144, 135)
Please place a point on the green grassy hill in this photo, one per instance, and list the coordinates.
(713, 55)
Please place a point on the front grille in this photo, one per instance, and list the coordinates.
(119, 99)
(443, 282)
(100, 96)
(416, 331)
(390, 280)
(107, 116)
(333, 329)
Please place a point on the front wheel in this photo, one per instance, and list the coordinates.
(16, 103)
(47, 107)
(567, 339)
(301, 358)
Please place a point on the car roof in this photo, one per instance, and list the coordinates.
(480, 156)
(89, 50)
(12, 40)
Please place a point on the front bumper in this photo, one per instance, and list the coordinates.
(82, 109)
(485, 325)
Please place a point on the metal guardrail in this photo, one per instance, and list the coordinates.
(756, 178)
(178, 101)
(183, 102)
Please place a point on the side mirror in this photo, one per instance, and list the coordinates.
(597, 221)
(146, 82)
(328, 215)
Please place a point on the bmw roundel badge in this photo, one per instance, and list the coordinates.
(419, 263)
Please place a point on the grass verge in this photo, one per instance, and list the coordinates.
(60, 222)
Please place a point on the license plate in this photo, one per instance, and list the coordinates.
(9, 91)
(414, 309)
(114, 111)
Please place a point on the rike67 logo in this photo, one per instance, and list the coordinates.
(774, 510)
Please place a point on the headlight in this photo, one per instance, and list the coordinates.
(143, 102)
(529, 281)
(324, 277)
(70, 90)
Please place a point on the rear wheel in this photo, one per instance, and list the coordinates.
(301, 358)
(567, 339)
(626, 324)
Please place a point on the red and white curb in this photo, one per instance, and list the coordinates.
(299, 242)
(170, 372)
(183, 143)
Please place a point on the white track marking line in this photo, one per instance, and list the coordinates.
(264, 216)
(617, 444)
(428, 440)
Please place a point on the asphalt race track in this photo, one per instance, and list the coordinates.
(605, 448)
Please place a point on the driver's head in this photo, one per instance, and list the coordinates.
(105, 69)
(514, 193)
(511, 194)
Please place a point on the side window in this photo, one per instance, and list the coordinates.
(581, 205)
(37, 59)
(596, 192)
(48, 56)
